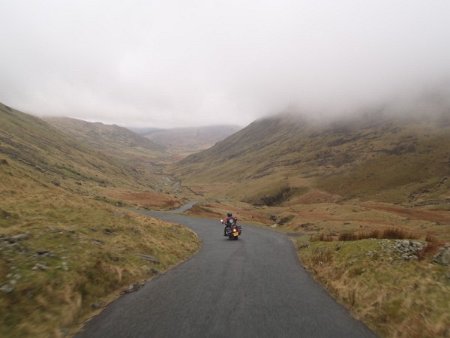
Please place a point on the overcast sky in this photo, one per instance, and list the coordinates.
(185, 63)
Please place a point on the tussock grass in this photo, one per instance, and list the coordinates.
(78, 253)
(321, 255)
(347, 236)
(322, 237)
(431, 248)
(396, 233)
(396, 298)
(89, 259)
(276, 195)
(390, 233)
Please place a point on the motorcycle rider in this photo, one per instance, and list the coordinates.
(228, 221)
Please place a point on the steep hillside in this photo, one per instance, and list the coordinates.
(66, 247)
(375, 156)
(110, 138)
(41, 148)
(85, 157)
(140, 157)
(185, 141)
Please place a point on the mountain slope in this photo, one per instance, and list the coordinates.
(328, 187)
(43, 149)
(141, 157)
(104, 137)
(386, 158)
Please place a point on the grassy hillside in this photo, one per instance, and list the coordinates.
(110, 138)
(73, 164)
(139, 157)
(354, 195)
(66, 248)
(142, 160)
(386, 158)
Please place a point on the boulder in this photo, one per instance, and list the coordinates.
(443, 256)
(7, 288)
(17, 238)
(149, 258)
(408, 249)
(40, 266)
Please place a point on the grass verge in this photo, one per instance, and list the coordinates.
(393, 296)
(63, 256)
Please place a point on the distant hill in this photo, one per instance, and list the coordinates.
(185, 141)
(143, 131)
(289, 157)
(104, 137)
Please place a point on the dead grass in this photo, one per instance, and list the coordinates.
(347, 236)
(322, 237)
(146, 199)
(390, 233)
(396, 298)
(205, 210)
(79, 253)
(441, 216)
(431, 248)
(321, 255)
(397, 233)
(85, 266)
(317, 196)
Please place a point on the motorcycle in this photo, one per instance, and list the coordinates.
(233, 231)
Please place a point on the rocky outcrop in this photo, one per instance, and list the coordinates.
(15, 238)
(443, 256)
(408, 249)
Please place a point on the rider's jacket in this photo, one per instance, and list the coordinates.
(229, 221)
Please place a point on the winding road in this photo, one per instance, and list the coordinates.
(253, 287)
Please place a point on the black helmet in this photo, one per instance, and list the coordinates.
(229, 214)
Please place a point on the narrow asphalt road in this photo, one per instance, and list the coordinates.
(253, 287)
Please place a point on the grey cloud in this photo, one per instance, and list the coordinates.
(181, 63)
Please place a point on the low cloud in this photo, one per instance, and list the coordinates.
(185, 63)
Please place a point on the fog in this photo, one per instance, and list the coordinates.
(192, 63)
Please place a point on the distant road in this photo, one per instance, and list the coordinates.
(253, 287)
